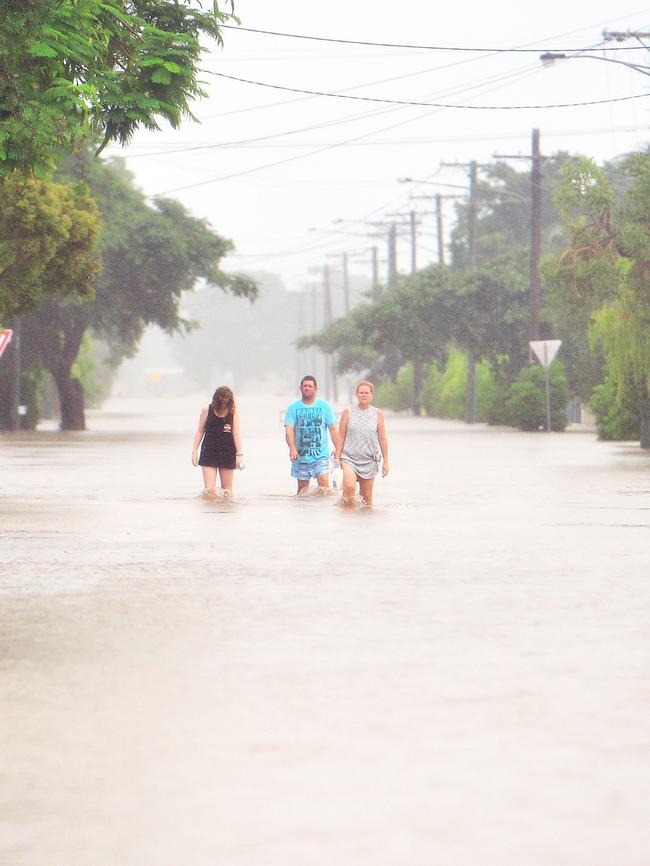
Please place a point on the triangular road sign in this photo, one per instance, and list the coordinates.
(5, 339)
(545, 350)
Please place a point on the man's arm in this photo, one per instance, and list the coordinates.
(289, 435)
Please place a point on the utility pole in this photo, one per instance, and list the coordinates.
(411, 221)
(472, 212)
(375, 267)
(414, 253)
(440, 234)
(391, 276)
(301, 332)
(535, 236)
(314, 325)
(345, 283)
(392, 256)
(441, 240)
(330, 375)
(374, 263)
(534, 302)
(470, 405)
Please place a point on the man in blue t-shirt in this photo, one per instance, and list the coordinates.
(306, 423)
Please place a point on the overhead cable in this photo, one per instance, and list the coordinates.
(426, 104)
(419, 47)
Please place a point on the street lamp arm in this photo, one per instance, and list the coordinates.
(432, 183)
(550, 56)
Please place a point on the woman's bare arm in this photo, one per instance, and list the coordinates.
(203, 417)
(236, 432)
(343, 429)
(383, 441)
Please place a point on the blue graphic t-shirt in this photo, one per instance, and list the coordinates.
(310, 423)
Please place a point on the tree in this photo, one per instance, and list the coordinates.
(602, 279)
(77, 68)
(151, 254)
(48, 233)
(400, 325)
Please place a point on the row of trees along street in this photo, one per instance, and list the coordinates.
(86, 263)
(414, 338)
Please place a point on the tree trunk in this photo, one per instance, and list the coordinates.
(418, 378)
(57, 347)
(645, 422)
(71, 400)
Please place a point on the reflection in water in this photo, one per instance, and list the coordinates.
(458, 675)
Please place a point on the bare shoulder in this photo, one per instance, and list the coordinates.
(345, 414)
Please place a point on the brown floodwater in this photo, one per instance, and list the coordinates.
(459, 676)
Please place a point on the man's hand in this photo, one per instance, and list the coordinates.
(293, 454)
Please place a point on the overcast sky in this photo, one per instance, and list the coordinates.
(272, 169)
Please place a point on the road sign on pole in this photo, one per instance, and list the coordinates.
(546, 350)
(5, 339)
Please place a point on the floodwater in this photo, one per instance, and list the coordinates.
(459, 677)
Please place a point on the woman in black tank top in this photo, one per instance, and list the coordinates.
(219, 437)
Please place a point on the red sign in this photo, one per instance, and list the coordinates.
(5, 339)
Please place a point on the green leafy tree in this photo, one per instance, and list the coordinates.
(48, 233)
(71, 69)
(602, 279)
(150, 254)
(397, 327)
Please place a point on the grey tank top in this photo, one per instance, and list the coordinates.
(361, 439)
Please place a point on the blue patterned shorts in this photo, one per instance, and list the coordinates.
(305, 471)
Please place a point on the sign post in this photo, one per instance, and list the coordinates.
(546, 350)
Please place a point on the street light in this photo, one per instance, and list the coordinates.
(549, 57)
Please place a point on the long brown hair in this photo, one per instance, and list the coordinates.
(223, 398)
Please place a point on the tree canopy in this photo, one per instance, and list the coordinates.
(602, 279)
(151, 254)
(76, 69)
(48, 233)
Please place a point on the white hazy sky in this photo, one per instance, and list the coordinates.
(266, 166)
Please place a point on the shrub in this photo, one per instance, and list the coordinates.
(526, 403)
(617, 416)
(397, 395)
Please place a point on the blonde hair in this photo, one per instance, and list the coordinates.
(367, 383)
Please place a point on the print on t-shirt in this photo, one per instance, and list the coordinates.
(309, 427)
(310, 423)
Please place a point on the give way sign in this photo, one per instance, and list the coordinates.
(545, 350)
(5, 339)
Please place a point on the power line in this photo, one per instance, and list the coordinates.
(426, 104)
(419, 47)
(324, 149)
(518, 73)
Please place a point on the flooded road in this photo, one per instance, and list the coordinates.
(458, 677)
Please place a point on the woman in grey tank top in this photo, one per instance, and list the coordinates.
(362, 446)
